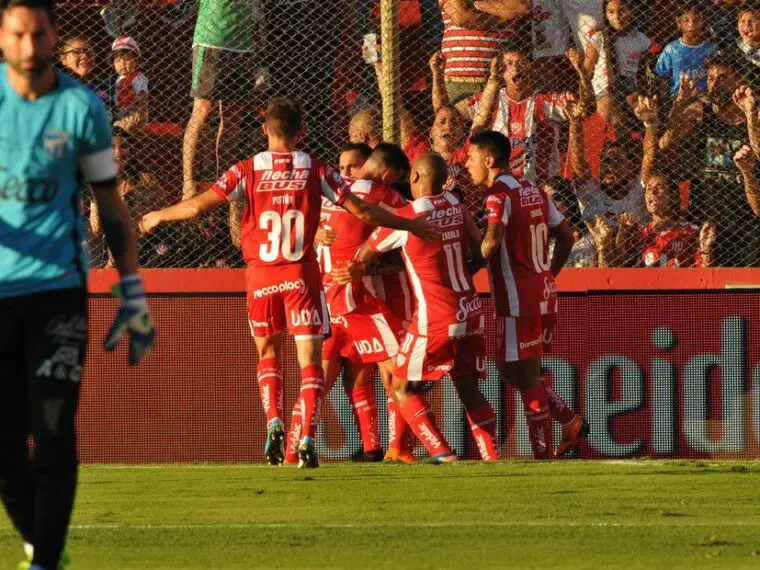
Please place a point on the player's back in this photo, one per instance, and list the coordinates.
(442, 284)
(284, 193)
(47, 146)
(522, 283)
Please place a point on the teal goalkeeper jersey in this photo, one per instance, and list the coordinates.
(47, 148)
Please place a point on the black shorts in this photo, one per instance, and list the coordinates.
(43, 338)
(224, 75)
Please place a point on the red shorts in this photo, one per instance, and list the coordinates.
(432, 357)
(521, 338)
(365, 335)
(287, 296)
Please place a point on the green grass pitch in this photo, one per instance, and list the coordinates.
(572, 514)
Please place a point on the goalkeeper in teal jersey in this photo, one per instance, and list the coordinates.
(53, 134)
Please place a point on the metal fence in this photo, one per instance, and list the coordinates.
(639, 117)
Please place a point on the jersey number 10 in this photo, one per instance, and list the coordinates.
(539, 236)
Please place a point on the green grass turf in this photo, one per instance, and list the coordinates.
(638, 514)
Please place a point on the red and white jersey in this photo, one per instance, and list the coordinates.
(351, 234)
(284, 192)
(127, 88)
(532, 127)
(468, 53)
(447, 302)
(395, 290)
(522, 284)
(675, 247)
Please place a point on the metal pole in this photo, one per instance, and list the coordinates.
(389, 12)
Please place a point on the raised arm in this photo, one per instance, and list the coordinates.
(744, 98)
(575, 111)
(483, 118)
(506, 10)
(585, 90)
(687, 111)
(746, 162)
(647, 110)
(465, 14)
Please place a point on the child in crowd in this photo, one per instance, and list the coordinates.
(613, 57)
(130, 103)
(687, 55)
(748, 43)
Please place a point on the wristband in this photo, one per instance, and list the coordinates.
(131, 290)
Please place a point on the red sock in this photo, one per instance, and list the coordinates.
(294, 435)
(559, 409)
(312, 393)
(400, 437)
(365, 411)
(420, 418)
(539, 423)
(483, 426)
(270, 388)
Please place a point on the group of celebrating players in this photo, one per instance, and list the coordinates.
(317, 243)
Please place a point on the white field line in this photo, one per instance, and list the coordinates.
(370, 525)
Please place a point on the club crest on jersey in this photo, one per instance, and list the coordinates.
(55, 142)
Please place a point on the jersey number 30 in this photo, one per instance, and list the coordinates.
(285, 235)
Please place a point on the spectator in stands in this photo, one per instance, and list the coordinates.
(687, 55)
(723, 15)
(613, 57)
(78, 59)
(558, 22)
(130, 105)
(473, 32)
(668, 240)
(748, 43)
(620, 189)
(366, 127)
(583, 254)
(529, 119)
(712, 131)
(227, 74)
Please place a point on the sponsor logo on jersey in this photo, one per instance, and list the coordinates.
(439, 367)
(283, 287)
(531, 343)
(259, 324)
(27, 190)
(305, 318)
(550, 288)
(468, 306)
(283, 180)
(369, 347)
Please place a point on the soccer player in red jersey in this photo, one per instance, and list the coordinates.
(445, 335)
(364, 330)
(283, 188)
(520, 218)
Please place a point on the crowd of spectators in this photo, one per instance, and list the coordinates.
(640, 119)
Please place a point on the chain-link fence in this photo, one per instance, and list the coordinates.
(639, 117)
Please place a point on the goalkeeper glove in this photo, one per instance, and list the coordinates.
(132, 316)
